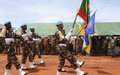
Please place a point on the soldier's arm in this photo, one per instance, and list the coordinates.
(61, 37)
(20, 33)
(38, 36)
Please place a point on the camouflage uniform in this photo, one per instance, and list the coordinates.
(63, 52)
(79, 45)
(40, 45)
(35, 46)
(53, 45)
(27, 50)
(11, 57)
(2, 38)
(112, 46)
(104, 46)
(46, 45)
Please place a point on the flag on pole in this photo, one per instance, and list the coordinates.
(89, 31)
(84, 12)
(87, 44)
(90, 28)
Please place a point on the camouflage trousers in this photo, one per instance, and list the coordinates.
(65, 54)
(36, 52)
(27, 51)
(12, 58)
(2, 45)
(112, 48)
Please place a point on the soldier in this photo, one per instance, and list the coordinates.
(40, 45)
(11, 56)
(53, 44)
(35, 45)
(46, 45)
(104, 46)
(112, 45)
(27, 50)
(2, 38)
(97, 45)
(62, 50)
(117, 42)
(79, 45)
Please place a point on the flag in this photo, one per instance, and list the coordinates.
(84, 12)
(89, 31)
(87, 44)
(90, 28)
(81, 30)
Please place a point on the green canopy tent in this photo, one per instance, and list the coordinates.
(101, 28)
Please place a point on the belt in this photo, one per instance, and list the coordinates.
(62, 44)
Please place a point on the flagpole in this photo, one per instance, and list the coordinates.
(82, 28)
(95, 11)
(76, 32)
(74, 21)
(76, 16)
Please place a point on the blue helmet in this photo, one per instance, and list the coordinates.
(7, 22)
(58, 23)
(23, 25)
(32, 28)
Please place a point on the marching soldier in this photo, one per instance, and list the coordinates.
(40, 45)
(27, 49)
(36, 45)
(11, 56)
(62, 50)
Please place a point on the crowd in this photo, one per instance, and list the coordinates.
(100, 46)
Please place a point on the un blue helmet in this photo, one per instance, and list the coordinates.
(23, 25)
(58, 23)
(32, 28)
(7, 22)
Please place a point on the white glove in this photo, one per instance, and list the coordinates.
(75, 37)
(29, 34)
(72, 30)
(8, 40)
(72, 39)
(68, 36)
(24, 36)
(37, 40)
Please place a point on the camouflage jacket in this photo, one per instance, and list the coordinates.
(60, 40)
(34, 35)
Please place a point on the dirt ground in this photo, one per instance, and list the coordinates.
(94, 65)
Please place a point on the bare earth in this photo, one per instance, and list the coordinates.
(94, 65)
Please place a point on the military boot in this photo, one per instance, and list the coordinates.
(22, 72)
(58, 73)
(80, 63)
(7, 72)
(79, 72)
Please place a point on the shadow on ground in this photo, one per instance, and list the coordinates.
(103, 72)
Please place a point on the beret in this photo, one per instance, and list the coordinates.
(32, 28)
(23, 25)
(58, 23)
(7, 22)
